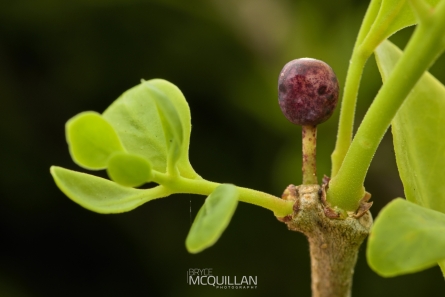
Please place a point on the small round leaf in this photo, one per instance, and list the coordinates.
(171, 122)
(406, 238)
(102, 195)
(213, 218)
(129, 170)
(147, 117)
(92, 140)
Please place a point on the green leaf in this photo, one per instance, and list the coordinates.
(136, 118)
(406, 238)
(404, 231)
(101, 195)
(213, 218)
(418, 131)
(129, 170)
(393, 16)
(171, 124)
(91, 140)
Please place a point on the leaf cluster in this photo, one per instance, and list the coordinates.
(140, 138)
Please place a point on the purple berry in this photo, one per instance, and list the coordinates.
(307, 91)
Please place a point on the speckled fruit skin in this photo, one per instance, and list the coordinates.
(307, 91)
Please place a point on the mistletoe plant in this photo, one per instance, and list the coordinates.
(144, 137)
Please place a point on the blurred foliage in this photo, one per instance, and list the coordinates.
(59, 58)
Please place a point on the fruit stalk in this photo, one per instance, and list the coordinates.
(309, 135)
(307, 95)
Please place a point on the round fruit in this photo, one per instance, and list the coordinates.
(307, 91)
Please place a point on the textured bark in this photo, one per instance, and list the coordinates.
(334, 243)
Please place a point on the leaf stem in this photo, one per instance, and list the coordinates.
(353, 77)
(421, 9)
(279, 206)
(346, 188)
(347, 113)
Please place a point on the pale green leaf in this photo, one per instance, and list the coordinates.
(213, 218)
(171, 123)
(129, 170)
(393, 16)
(102, 195)
(406, 238)
(418, 132)
(91, 140)
(135, 117)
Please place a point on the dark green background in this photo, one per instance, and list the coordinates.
(58, 58)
